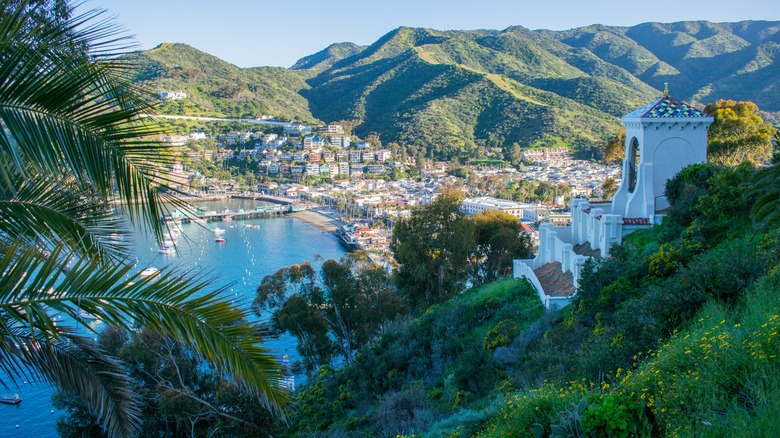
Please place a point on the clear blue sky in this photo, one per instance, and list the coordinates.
(259, 32)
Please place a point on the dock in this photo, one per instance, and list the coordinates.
(280, 206)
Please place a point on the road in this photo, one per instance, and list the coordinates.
(215, 119)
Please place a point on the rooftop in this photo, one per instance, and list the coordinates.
(666, 107)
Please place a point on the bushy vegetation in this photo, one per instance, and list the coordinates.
(674, 334)
(217, 88)
(428, 373)
(180, 393)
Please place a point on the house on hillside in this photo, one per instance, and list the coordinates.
(662, 138)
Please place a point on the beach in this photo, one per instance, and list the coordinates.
(319, 220)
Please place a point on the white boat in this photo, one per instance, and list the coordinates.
(148, 272)
(218, 230)
(83, 314)
(10, 399)
(167, 248)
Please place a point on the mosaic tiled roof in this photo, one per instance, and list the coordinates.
(666, 107)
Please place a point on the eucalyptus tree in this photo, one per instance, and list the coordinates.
(79, 168)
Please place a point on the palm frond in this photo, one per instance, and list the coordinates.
(66, 113)
(172, 304)
(44, 211)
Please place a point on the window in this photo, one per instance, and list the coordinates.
(633, 164)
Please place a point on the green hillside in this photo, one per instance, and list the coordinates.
(675, 334)
(215, 87)
(463, 92)
(325, 58)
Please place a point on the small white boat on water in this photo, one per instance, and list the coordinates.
(167, 248)
(10, 399)
(83, 314)
(148, 272)
(218, 230)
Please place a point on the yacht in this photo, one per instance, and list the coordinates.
(148, 272)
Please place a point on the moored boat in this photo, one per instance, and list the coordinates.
(148, 272)
(83, 314)
(10, 399)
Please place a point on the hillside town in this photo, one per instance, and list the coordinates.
(366, 189)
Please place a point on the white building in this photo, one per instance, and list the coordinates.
(383, 155)
(662, 138)
(313, 143)
(331, 129)
(173, 95)
(294, 128)
(340, 141)
(524, 212)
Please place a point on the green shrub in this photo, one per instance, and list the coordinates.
(617, 415)
(500, 335)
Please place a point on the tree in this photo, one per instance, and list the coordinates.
(74, 137)
(614, 151)
(609, 188)
(515, 154)
(182, 394)
(432, 247)
(498, 242)
(339, 311)
(738, 133)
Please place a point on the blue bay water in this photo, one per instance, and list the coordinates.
(239, 264)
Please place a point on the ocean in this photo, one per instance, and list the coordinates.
(240, 264)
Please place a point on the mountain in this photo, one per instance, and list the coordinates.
(327, 57)
(462, 92)
(216, 87)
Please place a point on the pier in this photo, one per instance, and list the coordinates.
(266, 198)
(281, 206)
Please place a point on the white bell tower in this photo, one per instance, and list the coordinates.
(662, 137)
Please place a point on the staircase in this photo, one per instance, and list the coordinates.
(554, 282)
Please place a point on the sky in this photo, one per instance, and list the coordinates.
(251, 33)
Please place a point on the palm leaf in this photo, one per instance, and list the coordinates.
(45, 211)
(171, 304)
(65, 113)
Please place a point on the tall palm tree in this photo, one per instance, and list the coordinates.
(74, 136)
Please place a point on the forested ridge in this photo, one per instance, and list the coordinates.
(463, 92)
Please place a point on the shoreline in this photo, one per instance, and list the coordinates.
(318, 220)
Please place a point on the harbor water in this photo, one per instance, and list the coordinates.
(252, 249)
